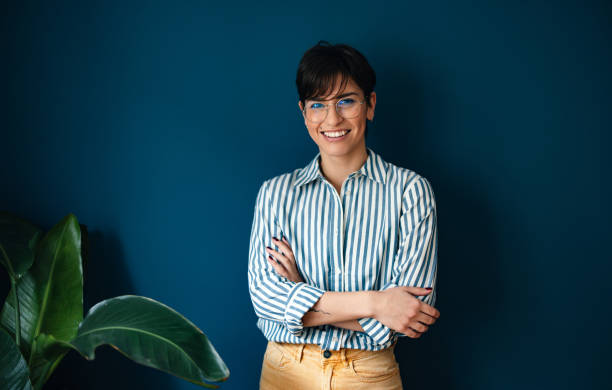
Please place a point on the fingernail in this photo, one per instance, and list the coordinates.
(270, 258)
(268, 247)
(274, 239)
(428, 288)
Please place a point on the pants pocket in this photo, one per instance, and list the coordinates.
(276, 357)
(375, 368)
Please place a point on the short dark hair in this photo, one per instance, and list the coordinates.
(322, 63)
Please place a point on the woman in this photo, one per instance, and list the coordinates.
(343, 252)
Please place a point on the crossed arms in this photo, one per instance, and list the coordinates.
(399, 306)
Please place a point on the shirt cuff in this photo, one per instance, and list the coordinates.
(301, 298)
(376, 330)
(380, 333)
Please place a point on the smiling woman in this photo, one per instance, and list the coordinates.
(343, 252)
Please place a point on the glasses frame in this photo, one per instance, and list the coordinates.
(327, 108)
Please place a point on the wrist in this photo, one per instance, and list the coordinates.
(373, 299)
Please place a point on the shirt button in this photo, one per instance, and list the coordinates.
(334, 339)
(339, 271)
(326, 353)
(336, 230)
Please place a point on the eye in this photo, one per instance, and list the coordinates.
(346, 102)
(316, 105)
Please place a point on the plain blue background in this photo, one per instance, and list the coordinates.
(155, 123)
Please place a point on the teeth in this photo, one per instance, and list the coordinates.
(335, 134)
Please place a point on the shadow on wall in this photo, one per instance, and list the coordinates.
(105, 276)
(469, 277)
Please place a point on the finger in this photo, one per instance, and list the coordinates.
(284, 247)
(281, 258)
(411, 333)
(276, 254)
(416, 334)
(277, 267)
(425, 318)
(289, 262)
(418, 327)
(418, 290)
(429, 310)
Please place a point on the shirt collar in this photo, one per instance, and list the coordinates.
(374, 168)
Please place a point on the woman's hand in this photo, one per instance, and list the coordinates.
(399, 309)
(286, 261)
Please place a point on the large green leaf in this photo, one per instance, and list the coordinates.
(58, 275)
(154, 335)
(29, 308)
(18, 240)
(14, 374)
(51, 296)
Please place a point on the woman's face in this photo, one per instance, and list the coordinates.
(354, 140)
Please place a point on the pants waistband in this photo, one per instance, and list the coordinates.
(314, 351)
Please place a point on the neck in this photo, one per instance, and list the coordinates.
(337, 168)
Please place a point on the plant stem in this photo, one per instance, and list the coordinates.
(17, 313)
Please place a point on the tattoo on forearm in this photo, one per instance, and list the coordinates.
(319, 311)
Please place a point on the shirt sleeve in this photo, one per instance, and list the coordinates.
(415, 263)
(274, 297)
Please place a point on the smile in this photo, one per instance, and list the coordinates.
(335, 135)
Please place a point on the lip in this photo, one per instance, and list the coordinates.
(337, 139)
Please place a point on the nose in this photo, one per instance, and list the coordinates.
(333, 118)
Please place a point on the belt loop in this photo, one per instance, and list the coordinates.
(300, 352)
(343, 356)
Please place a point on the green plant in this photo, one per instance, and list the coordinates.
(42, 317)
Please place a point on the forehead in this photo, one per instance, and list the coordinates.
(339, 87)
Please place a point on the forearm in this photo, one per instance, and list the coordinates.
(341, 307)
(351, 325)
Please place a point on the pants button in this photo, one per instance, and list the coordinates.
(326, 353)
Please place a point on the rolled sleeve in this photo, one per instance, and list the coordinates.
(301, 298)
(415, 263)
(376, 330)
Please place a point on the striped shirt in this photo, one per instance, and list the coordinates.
(379, 233)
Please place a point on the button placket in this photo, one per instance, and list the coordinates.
(340, 279)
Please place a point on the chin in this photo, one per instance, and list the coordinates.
(338, 150)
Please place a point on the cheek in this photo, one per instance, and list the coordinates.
(313, 129)
(359, 123)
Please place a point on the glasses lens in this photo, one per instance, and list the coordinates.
(348, 108)
(315, 112)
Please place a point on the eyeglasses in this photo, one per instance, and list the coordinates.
(346, 107)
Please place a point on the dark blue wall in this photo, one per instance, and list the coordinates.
(156, 123)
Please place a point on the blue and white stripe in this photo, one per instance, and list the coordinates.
(379, 233)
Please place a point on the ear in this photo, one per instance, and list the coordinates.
(372, 106)
(302, 110)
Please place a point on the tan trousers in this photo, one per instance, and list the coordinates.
(304, 367)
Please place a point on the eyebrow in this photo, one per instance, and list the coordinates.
(335, 97)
